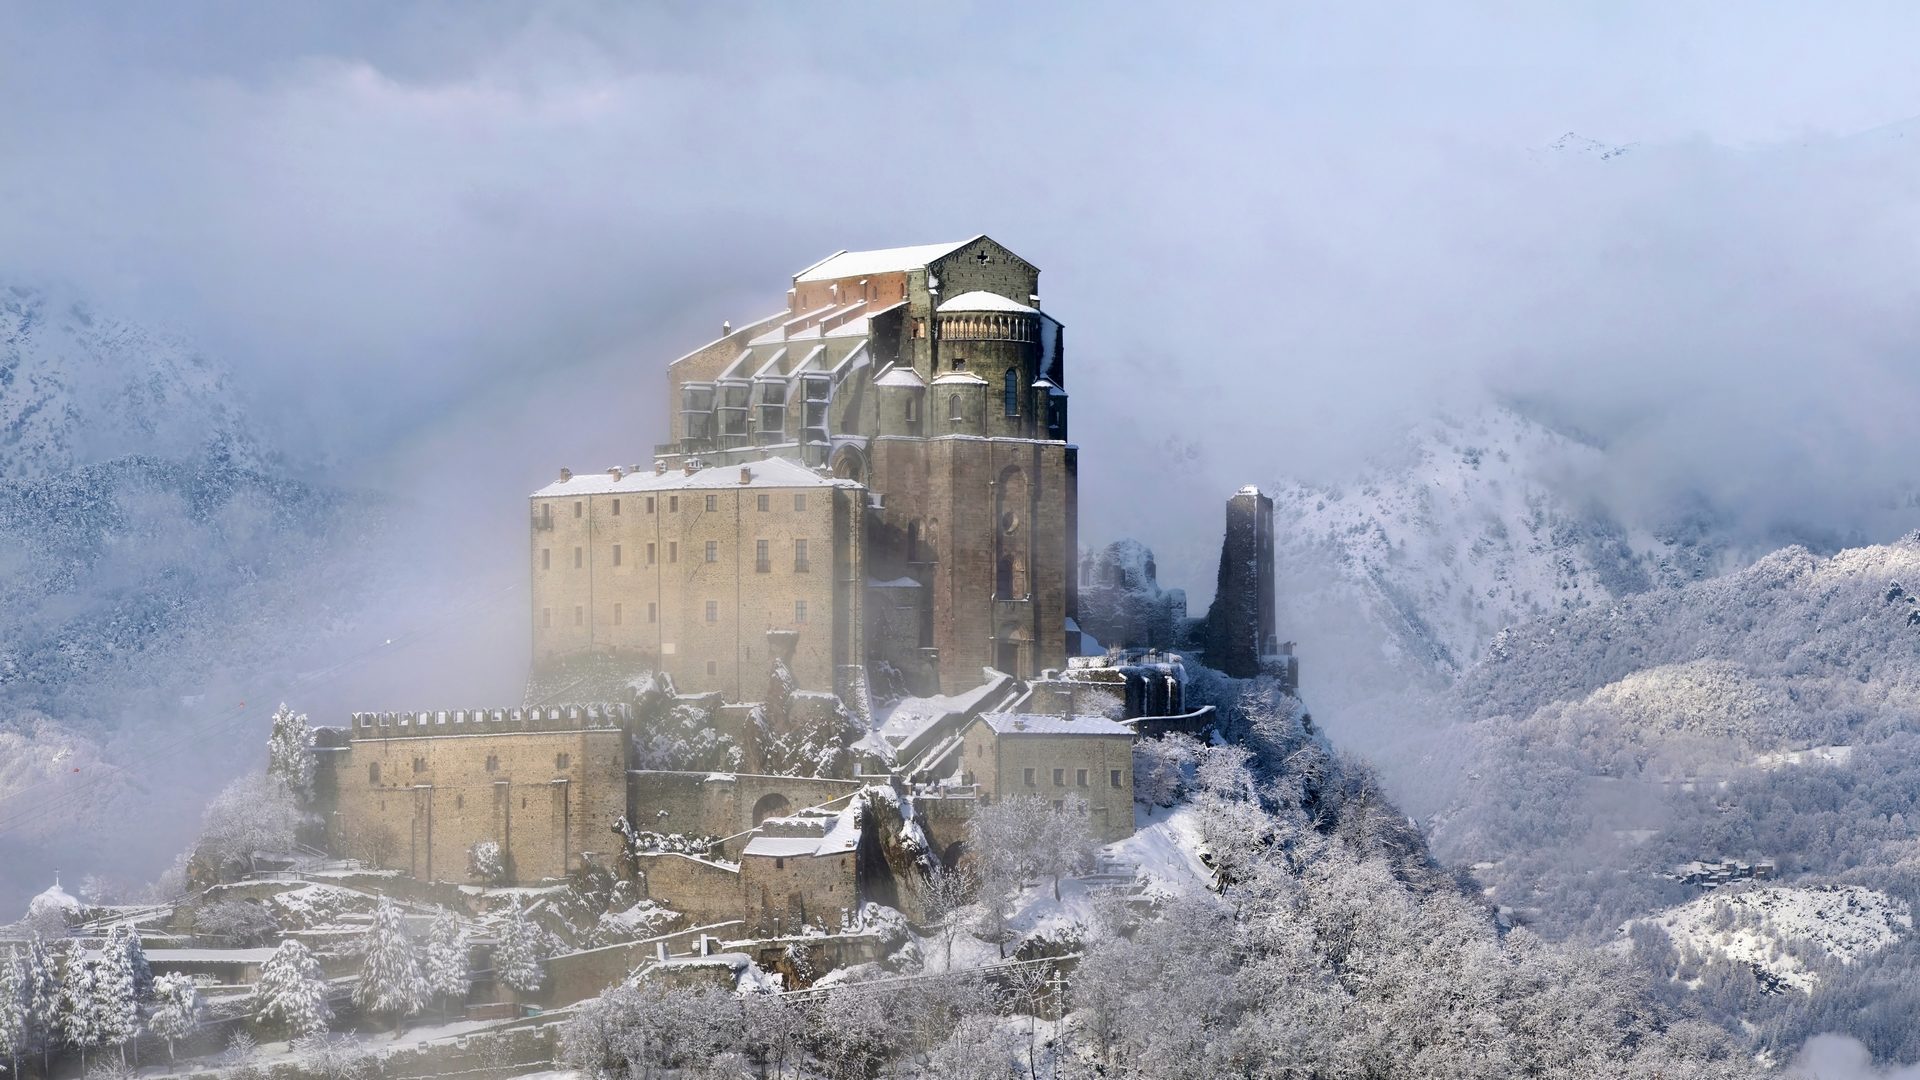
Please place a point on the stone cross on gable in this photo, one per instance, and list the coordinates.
(982, 258)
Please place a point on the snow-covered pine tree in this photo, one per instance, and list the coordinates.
(292, 992)
(390, 980)
(126, 939)
(446, 964)
(176, 1009)
(80, 1008)
(290, 752)
(13, 1009)
(44, 998)
(516, 960)
(485, 863)
(116, 997)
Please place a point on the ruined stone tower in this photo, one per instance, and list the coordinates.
(1240, 624)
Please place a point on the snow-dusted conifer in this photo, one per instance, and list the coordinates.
(176, 1009)
(390, 980)
(446, 964)
(80, 1007)
(125, 940)
(43, 997)
(116, 996)
(516, 960)
(13, 1008)
(485, 863)
(290, 752)
(292, 992)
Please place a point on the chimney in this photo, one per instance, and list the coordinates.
(659, 467)
(746, 475)
(692, 466)
(566, 474)
(615, 472)
(726, 328)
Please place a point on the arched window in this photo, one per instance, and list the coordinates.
(1012, 391)
(953, 408)
(913, 541)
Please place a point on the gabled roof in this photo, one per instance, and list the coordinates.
(980, 300)
(896, 375)
(846, 264)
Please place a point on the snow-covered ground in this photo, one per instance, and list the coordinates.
(1844, 922)
(1161, 859)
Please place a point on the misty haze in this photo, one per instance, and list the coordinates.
(613, 541)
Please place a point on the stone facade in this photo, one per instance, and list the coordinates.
(1240, 624)
(722, 804)
(1017, 754)
(930, 376)
(1122, 604)
(415, 791)
(706, 574)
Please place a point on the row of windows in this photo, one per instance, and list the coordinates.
(764, 503)
(560, 761)
(1079, 777)
(653, 613)
(762, 556)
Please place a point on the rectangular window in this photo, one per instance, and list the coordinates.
(762, 559)
(800, 564)
(546, 616)
(653, 611)
(1080, 778)
(713, 611)
(799, 611)
(576, 507)
(1113, 777)
(576, 559)
(616, 508)
(673, 504)
(713, 551)
(800, 502)
(493, 762)
(763, 502)
(616, 554)
(616, 614)
(1059, 778)
(1028, 776)
(673, 551)
(713, 667)
(713, 503)
(650, 549)
(546, 558)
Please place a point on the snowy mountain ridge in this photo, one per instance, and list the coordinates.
(78, 387)
(1469, 530)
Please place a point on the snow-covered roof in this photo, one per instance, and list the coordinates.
(958, 377)
(1040, 724)
(981, 300)
(768, 472)
(53, 898)
(1044, 383)
(896, 375)
(846, 264)
(781, 846)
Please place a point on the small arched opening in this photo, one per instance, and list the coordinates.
(772, 804)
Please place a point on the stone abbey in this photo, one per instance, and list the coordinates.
(875, 479)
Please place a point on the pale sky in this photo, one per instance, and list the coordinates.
(1275, 232)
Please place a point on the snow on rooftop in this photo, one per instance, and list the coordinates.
(1040, 724)
(897, 375)
(768, 472)
(846, 264)
(981, 300)
(958, 377)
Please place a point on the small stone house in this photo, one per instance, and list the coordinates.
(1025, 754)
(802, 870)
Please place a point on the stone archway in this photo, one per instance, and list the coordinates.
(772, 804)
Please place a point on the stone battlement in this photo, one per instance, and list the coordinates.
(418, 725)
